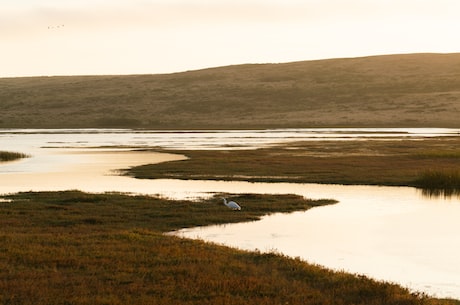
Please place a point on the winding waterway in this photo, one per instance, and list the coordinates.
(388, 233)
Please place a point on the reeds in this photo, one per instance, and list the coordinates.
(439, 182)
(11, 156)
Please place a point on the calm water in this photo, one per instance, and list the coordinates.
(389, 233)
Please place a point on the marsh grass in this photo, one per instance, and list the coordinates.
(77, 248)
(447, 181)
(11, 156)
(377, 162)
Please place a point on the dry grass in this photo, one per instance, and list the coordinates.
(77, 248)
(417, 90)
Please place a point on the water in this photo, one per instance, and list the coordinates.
(388, 233)
(211, 139)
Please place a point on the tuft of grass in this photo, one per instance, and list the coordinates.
(439, 182)
(77, 248)
(11, 156)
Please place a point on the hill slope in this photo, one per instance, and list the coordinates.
(417, 90)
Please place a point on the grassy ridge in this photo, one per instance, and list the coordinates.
(77, 248)
(416, 90)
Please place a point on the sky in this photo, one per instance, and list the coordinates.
(94, 37)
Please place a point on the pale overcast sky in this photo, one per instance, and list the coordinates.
(75, 37)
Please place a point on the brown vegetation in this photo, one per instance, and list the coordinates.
(77, 248)
(379, 162)
(11, 156)
(418, 90)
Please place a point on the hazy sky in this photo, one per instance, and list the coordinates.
(70, 37)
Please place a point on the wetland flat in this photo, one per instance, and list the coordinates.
(390, 207)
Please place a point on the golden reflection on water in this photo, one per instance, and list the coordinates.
(389, 233)
(92, 170)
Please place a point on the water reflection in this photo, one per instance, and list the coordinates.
(440, 193)
(389, 233)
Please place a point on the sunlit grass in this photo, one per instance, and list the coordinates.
(416, 90)
(77, 248)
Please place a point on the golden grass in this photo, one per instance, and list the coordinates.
(417, 90)
(77, 248)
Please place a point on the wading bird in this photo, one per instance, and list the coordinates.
(232, 205)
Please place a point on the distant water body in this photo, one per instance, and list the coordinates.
(389, 233)
(206, 139)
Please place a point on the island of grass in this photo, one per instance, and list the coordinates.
(428, 163)
(78, 248)
(11, 156)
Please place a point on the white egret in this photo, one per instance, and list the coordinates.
(232, 205)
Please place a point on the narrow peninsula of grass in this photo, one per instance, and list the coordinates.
(11, 156)
(376, 162)
(78, 248)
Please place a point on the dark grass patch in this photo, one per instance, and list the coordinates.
(11, 156)
(439, 182)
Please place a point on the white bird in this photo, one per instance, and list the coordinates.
(232, 205)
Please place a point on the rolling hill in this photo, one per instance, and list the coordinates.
(415, 90)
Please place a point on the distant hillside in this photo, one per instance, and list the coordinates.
(395, 90)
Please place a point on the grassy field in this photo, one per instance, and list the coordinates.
(380, 162)
(11, 156)
(77, 248)
(418, 90)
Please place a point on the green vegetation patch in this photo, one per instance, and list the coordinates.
(77, 248)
